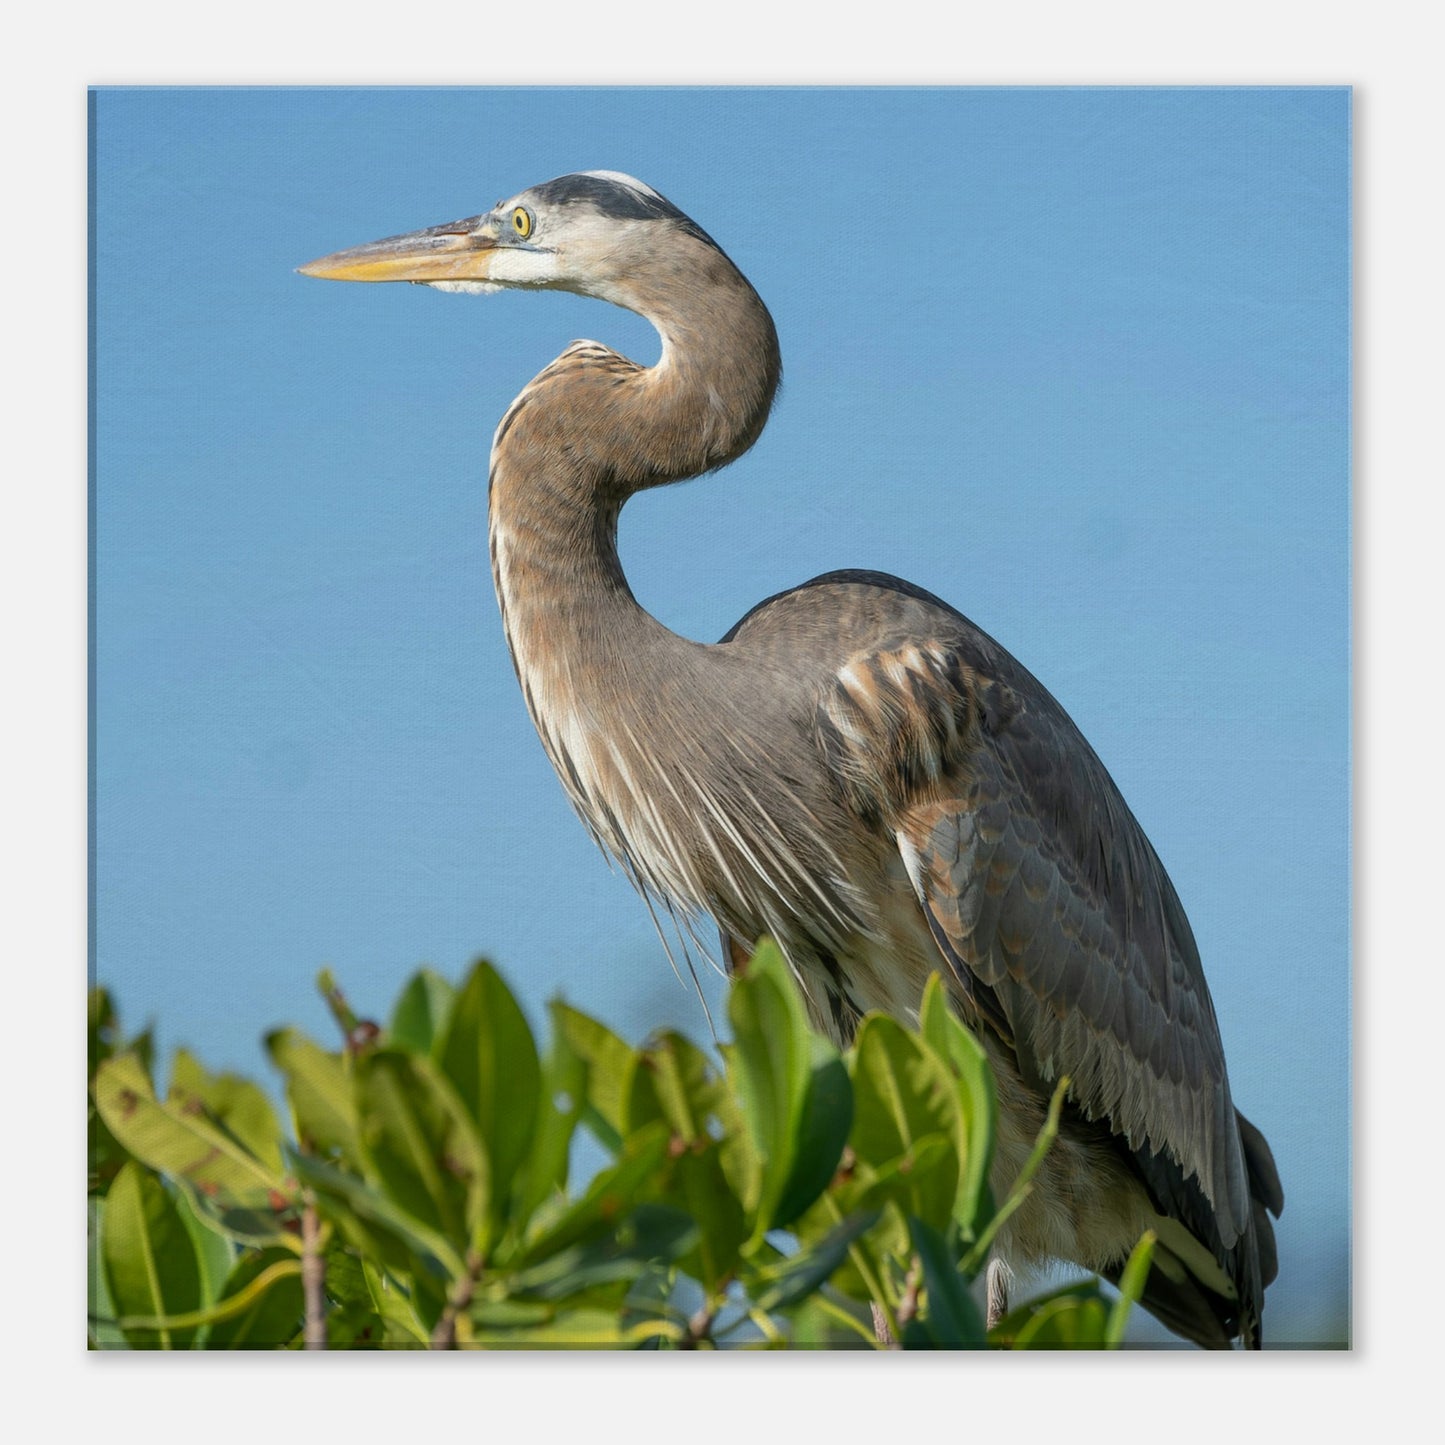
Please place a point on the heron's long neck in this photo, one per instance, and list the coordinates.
(592, 429)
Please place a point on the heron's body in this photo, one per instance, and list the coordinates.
(855, 770)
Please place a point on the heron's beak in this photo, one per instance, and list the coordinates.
(457, 251)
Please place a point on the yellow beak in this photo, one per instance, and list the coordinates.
(457, 251)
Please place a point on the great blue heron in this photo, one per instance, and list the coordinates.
(855, 769)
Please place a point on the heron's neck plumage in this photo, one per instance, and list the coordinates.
(589, 431)
(593, 428)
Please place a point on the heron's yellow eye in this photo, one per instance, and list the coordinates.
(522, 222)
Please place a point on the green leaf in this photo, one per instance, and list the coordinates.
(233, 1103)
(773, 1054)
(214, 1252)
(1065, 1322)
(396, 1309)
(822, 1131)
(609, 1198)
(420, 1012)
(821, 1322)
(580, 1329)
(897, 1180)
(651, 1233)
(380, 1229)
(1131, 1288)
(952, 1320)
(255, 1228)
(104, 1333)
(180, 1141)
(673, 1080)
(1007, 1332)
(901, 1095)
(366, 1308)
(608, 1063)
(104, 1154)
(273, 1314)
(740, 1159)
(785, 1285)
(150, 1263)
(419, 1146)
(978, 1104)
(561, 1102)
(318, 1086)
(702, 1189)
(488, 1054)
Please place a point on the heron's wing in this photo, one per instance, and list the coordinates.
(1047, 901)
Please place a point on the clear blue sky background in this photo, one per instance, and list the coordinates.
(1077, 361)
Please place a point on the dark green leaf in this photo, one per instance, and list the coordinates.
(420, 1012)
(609, 1197)
(380, 1229)
(562, 1099)
(650, 1234)
(822, 1131)
(397, 1309)
(367, 1309)
(785, 1285)
(104, 1154)
(150, 1263)
(952, 1319)
(702, 1189)
(487, 1052)
(214, 1252)
(270, 1320)
(419, 1145)
(772, 1051)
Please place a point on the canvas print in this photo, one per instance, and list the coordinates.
(720, 719)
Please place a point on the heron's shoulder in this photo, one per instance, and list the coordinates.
(843, 618)
(857, 599)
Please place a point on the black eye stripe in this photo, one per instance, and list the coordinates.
(612, 198)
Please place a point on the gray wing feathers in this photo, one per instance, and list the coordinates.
(1081, 999)
(1032, 866)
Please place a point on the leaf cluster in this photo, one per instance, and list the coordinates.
(782, 1194)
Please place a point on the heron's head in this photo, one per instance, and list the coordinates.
(596, 232)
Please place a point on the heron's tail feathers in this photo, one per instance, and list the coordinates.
(1213, 1295)
(1181, 1301)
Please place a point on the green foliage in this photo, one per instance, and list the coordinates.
(421, 1197)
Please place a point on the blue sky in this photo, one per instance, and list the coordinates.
(1075, 360)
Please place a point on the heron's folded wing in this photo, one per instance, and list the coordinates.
(1049, 904)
